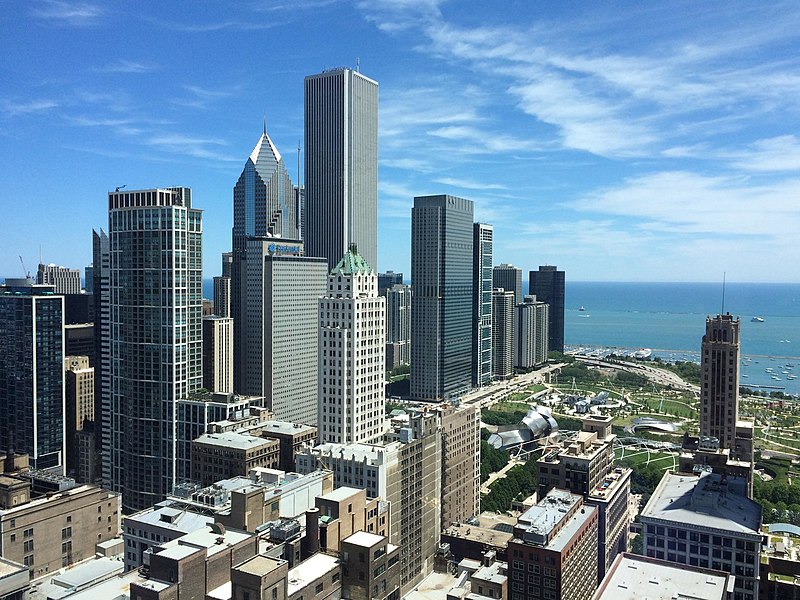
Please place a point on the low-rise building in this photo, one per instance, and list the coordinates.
(319, 577)
(706, 521)
(196, 565)
(634, 577)
(55, 531)
(218, 456)
(370, 567)
(553, 553)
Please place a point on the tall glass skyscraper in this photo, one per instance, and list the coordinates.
(264, 205)
(482, 356)
(341, 165)
(547, 284)
(32, 373)
(155, 289)
(442, 297)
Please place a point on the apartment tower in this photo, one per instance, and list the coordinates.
(155, 287)
(442, 297)
(547, 284)
(530, 333)
(341, 165)
(352, 362)
(502, 334)
(32, 380)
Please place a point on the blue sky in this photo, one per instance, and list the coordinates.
(621, 141)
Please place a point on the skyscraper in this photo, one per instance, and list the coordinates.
(352, 363)
(509, 278)
(442, 297)
(719, 380)
(222, 287)
(530, 333)
(280, 338)
(387, 280)
(32, 373)
(502, 334)
(482, 304)
(63, 279)
(547, 284)
(341, 165)
(218, 354)
(264, 205)
(398, 326)
(101, 260)
(155, 290)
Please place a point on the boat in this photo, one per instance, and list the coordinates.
(584, 316)
(582, 308)
(642, 353)
(757, 320)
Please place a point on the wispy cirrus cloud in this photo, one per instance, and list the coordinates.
(468, 184)
(781, 153)
(127, 66)
(202, 97)
(197, 147)
(79, 14)
(15, 109)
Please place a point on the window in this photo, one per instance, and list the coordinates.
(28, 533)
(28, 560)
(66, 533)
(28, 546)
(318, 589)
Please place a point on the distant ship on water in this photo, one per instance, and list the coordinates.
(757, 320)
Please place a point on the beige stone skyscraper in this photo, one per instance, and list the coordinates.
(352, 362)
(719, 379)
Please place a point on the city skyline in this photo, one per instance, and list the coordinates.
(600, 140)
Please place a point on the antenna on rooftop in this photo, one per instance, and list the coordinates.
(358, 65)
(722, 312)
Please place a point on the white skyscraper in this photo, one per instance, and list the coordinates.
(341, 165)
(351, 359)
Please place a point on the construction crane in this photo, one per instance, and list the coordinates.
(25, 272)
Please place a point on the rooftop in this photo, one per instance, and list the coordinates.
(233, 440)
(540, 522)
(634, 577)
(340, 493)
(169, 518)
(260, 565)
(494, 573)
(286, 427)
(707, 500)
(365, 539)
(312, 569)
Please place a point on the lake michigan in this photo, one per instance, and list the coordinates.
(670, 319)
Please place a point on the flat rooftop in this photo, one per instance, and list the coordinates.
(184, 521)
(340, 493)
(542, 519)
(364, 538)
(634, 577)
(260, 565)
(705, 501)
(286, 428)
(315, 567)
(233, 440)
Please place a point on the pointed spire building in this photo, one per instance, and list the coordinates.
(264, 205)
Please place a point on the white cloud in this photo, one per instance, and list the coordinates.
(69, 13)
(468, 184)
(14, 109)
(781, 153)
(127, 66)
(687, 203)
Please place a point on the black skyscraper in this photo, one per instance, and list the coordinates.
(547, 284)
